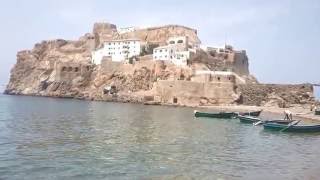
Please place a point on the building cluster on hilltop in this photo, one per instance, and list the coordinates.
(177, 49)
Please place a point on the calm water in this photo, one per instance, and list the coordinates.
(45, 138)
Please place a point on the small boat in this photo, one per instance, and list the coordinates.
(224, 115)
(248, 119)
(253, 113)
(292, 128)
(317, 112)
(280, 121)
(255, 120)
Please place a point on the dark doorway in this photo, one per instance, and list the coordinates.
(175, 100)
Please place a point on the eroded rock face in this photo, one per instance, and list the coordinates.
(161, 34)
(35, 69)
(103, 32)
(235, 61)
(276, 95)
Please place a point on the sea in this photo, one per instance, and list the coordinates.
(49, 138)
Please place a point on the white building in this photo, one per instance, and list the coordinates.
(176, 51)
(118, 50)
(181, 58)
(164, 53)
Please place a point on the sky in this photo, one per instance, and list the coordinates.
(281, 37)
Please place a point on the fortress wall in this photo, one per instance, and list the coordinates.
(194, 93)
(67, 71)
(214, 78)
(241, 64)
(108, 66)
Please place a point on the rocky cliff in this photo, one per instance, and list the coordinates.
(36, 66)
(155, 35)
(63, 68)
(276, 95)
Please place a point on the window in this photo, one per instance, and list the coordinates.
(165, 56)
(160, 50)
(218, 78)
(109, 43)
(155, 57)
(76, 69)
(69, 68)
(180, 41)
(171, 42)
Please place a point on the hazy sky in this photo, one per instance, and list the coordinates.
(281, 37)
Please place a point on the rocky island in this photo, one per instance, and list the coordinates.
(166, 65)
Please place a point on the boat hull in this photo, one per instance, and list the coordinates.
(285, 122)
(248, 119)
(254, 113)
(221, 115)
(294, 128)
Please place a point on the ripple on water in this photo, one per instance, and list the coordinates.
(46, 138)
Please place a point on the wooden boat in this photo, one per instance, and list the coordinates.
(224, 115)
(252, 120)
(280, 121)
(292, 128)
(248, 119)
(317, 112)
(253, 113)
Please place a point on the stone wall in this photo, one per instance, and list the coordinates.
(193, 93)
(68, 71)
(275, 94)
(214, 78)
(109, 66)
